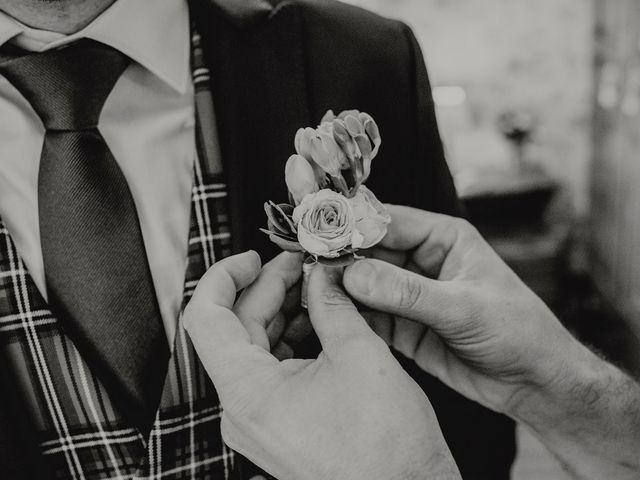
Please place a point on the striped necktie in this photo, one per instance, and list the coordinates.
(98, 278)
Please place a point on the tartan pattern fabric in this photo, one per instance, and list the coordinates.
(82, 434)
(186, 434)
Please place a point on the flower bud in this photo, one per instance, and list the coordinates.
(349, 147)
(302, 142)
(300, 177)
(326, 153)
(358, 136)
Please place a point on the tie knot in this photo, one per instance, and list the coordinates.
(67, 87)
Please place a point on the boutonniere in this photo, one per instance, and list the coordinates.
(331, 214)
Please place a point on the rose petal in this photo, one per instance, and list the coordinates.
(357, 239)
(371, 217)
(312, 244)
(325, 223)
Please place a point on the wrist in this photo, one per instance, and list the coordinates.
(433, 461)
(563, 382)
(589, 417)
(577, 392)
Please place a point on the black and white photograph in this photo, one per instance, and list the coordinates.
(319, 240)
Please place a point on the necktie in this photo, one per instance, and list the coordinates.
(98, 278)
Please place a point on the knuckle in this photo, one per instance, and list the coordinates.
(464, 227)
(190, 315)
(467, 230)
(464, 224)
(195, 312)
(409, 292)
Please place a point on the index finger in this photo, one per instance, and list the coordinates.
(428, 237)
(264, 298)
(411, 227)
(222, 342)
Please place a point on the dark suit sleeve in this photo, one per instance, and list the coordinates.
(433, 187)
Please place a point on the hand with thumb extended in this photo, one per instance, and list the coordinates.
(352, 413)
(441, 296)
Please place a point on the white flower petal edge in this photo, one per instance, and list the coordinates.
(371, 217)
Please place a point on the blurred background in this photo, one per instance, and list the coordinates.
(539, 107)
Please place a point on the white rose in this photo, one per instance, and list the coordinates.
(326, 224)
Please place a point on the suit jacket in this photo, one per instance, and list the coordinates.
(279, 65)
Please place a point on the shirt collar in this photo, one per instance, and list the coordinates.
(153, 33)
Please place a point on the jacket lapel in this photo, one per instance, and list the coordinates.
(258, 83)
(242, 14)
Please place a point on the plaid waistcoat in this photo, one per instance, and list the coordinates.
(82, 434)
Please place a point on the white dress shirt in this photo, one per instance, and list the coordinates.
(148, 122)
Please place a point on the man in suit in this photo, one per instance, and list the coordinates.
(136, 145)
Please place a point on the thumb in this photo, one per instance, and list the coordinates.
(385, 287)
(333, 315)
(222, 342)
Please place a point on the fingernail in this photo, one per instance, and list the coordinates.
(360, 276)
(256, 257)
